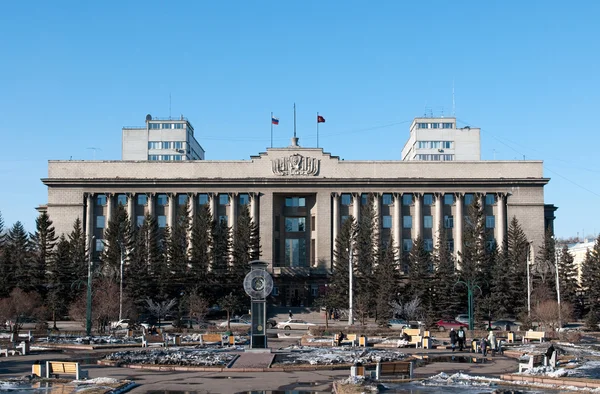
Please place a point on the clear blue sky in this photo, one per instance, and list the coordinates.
(74, 73)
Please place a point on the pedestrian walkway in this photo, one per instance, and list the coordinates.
(253, 360)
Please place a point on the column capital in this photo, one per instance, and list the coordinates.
(336, 194)
(151, 194)
(459, 195)
(438, 196)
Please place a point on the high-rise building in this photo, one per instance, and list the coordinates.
(161, 140)
(438, 139)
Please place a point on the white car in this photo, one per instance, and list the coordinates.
(235, 322)
(294, 324)
(462, 319)
(121, 324)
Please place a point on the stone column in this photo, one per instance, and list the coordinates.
(151, 204)
(192, 203)
(438, 217)
(377, 214)
(335, 217)
(89, 221)
(418, 219)
(171, 200)
(458, 226)
(232, 214)
(254, 206)
(110, 209)
(356, 206)
(397, 223)
(131, 209)
(501, 222)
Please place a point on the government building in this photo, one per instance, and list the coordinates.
(299, 197)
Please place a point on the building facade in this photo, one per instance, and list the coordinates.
(161, 140)
(438, 139)
(299, 197)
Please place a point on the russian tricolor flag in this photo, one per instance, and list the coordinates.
(275, 121)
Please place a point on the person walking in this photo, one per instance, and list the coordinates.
(492, 342)
(291, 315)
(453, 338)
(483, 346)
(462, 336)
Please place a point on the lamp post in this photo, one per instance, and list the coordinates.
(529, 259)
(557, 283)
(121, 288)
(88, 311)
(351, 276)
(471, 285)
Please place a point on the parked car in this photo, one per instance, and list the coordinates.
(235, 322)
(398, 324)
(121, 324)
(192, 322)
(572, 327)
(464, 318)
(294, 324)
(503, 324)
(444, 324)
(271, 323)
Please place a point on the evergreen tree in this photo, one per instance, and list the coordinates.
(117, 244)
(153, 240)
(338, 289)
(569, 285)
(517, 252)
(16, 273)
(177, 249)
(200, 251)
(386, 280)
(161, 272)
(42, 244)
(244, 249)
(447, 304)
(473, 255)
(59, 279)
(365, 258)
(5, 268)
(221, 236)
(590, 277)
(79, 260)
(138, 277)
(544, 270)
(419, 275)
(500, 287)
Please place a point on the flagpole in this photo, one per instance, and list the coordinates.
(317, 129)
(271, 129)
(294, 120)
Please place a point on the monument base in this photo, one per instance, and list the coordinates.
(265, 350)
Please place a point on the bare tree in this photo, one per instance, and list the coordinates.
(160, 308)
(20, 305)
(198, 307)
(547, 314)
(410, 310)
(230, 303)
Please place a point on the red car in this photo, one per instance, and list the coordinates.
(444, 325)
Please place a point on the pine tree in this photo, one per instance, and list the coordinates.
(500, 287)
(420, 272)
(569, 285)
(517, 252)
(242, 251)
(339, 284)
(117, 244)
(5, 268)
(17, 255)
(473, 255)
(200, 251)
(446, 300)
(365, 258)
(590, 277)
(386, 279)
(79, 260)
(42, 244)
(544, 270)
(58, 279)
(221, 236)
(161, 272)
(138, 278)
(177, 249)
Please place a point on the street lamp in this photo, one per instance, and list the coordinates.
(351, 276)
(529, 260)
(88, 312)
(121, 288)
(471, 285)
(557, 283)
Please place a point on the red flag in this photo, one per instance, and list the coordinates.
(320, 119)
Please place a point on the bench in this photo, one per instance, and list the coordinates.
(152, 340)
(534, 360)
(4, 351)
(532, 335)
(211, 339)
(55, 368)
(394, 368)
(351, 339)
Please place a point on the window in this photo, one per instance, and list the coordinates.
(450, 245)
(122, 199)
(490, 244)
(364, 199)
(387, 221)
(295, 224)
(490, 221)
(154, 145)
(142, 199)
(468, 199)
(448, 199)
(178, 144)
(407, 245)
(100, 222)
(162, 200)
(344, 218)
(295, 252)
(153, 157)
(428, 199)
(223, 219)
(387, 199)
(244, 199)
(428, 244)
(223, 199)
(203, 199)
(446, 144)
(427, 221)
(490, 199)
(448, 221)
(275, 291)
(422, 125)
(346, 199)
(447, 125)
(435, 144)
(99, 245)
(407, 222)
(435, 125)
(407, 199)
(423, 144)
(447, 157)
(162, 221)
(295, 202)
(167, 145)
(182, 199)
(140, 220)
(166, 125)
(154, 126)
(101, 200)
